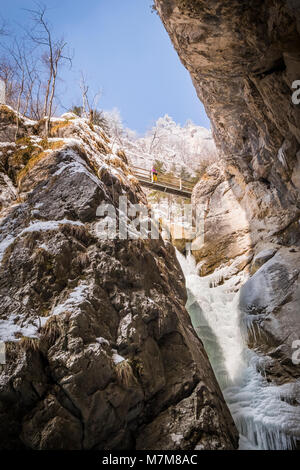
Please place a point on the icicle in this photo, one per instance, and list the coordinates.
(263, 413)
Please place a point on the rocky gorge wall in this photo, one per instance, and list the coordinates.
(243, 58)
(100, 351)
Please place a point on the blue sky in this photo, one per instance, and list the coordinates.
(124, 50)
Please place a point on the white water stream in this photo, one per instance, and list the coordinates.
(262, 412)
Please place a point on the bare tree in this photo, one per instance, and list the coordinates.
(154, 138)
(89, 106)
(84, 92)
(30, 67)
(55, 54)
(32, 77)
(18, 57)
(116, 126)
(3, 28)
(36, 111)
(58, 57)
(17, 69)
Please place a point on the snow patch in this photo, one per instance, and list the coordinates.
(48, 225)
(76, 297)
(177, 438)
(101, 340)
(5, 244)
(9, 328)
(117, 358)
(35, 227)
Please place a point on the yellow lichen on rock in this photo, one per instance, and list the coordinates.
(59, 125)
(35, 155)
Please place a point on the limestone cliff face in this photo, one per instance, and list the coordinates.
(100, 351)
(243, 58)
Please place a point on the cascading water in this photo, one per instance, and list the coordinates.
(262, 412)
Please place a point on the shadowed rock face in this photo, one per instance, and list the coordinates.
(100, 349)
(243, 58)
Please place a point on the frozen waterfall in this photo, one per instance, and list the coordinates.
(262, 412)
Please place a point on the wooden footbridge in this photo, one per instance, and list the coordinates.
(166, 184)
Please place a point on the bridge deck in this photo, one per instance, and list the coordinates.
(166, 184)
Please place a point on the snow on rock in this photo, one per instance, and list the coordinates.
(177, 438)
(69, 116)
(77, 165)
(48, 225)
(117, 358)
(76, 297)
(9, 328)
(8, 240)
(35, 227)
(102, 340)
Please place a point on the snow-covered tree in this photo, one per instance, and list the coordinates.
(181, 149)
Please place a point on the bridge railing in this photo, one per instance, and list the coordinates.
(163, 180)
